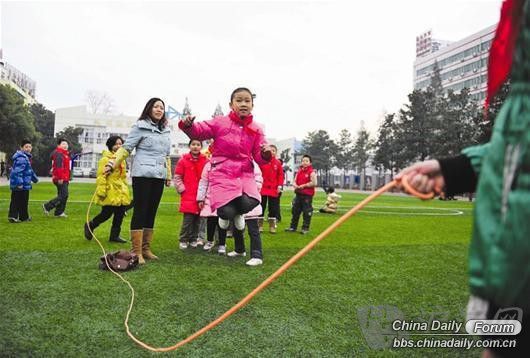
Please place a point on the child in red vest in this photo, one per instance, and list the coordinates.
(304, 188)
(272, 173)
(61, 177)
(187, 176)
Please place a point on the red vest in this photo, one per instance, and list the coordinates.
(303, 176)
(190, 169)
(272, 173)
(60, 165)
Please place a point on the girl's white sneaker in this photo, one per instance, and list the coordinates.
(221, 249)
(235, 254)
(208, 246)
(239, 222)
(254, 262)
(223, 224)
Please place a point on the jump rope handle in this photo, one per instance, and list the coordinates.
(409, 189)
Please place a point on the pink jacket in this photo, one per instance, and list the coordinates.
(203, 194)
(237, 144)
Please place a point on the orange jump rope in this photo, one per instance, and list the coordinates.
(269, 279)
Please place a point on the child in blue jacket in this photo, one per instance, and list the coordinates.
(20, 179)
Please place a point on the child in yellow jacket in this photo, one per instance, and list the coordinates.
(112, 193)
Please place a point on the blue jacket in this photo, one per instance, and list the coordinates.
(22, 174)
(152, 150)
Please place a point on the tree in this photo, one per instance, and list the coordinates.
(45, 143)
(99, 102)
(486, 124)
(344, 154)
(16, 122)
(362, 149)
(386, 147)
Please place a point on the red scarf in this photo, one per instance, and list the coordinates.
(502, 47)
(245, 122)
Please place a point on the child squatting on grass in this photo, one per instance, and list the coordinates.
(239, 141)
(499, 172)
(186, 179)
(112, 193)
(20, 179)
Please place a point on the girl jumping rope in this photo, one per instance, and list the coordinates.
(238, 142)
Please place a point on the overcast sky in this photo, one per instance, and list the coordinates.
(313, 65)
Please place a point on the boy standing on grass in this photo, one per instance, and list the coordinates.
(21, 177)
(304, 188)
(60, 176)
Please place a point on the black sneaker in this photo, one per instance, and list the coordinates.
(13, 220)
(304, 231)
(25, 221)
(118, 239)
(88, 234)
(290, 229)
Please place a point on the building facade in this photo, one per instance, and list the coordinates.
(463, 64)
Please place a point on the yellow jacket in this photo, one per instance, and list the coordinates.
(112, 189)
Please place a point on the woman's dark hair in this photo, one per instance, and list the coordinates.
(24, 142)
(191, 141)
(242, 89)
(60, 140)
(308, 156)
(146, 113)
(112, 141)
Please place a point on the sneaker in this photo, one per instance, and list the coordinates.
(208, 246)
(13, 220)
(183, 245)
(239, 222)
(200, 242)
(304, 231)
(25, 221)
(223, 224)
(193, 244)
(235, 254)
(254, 262)
(63, 215)
(46, 211)
(118, 239)
(221, 249)
(88, 234)
(290, 229)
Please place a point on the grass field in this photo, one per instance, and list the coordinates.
(399, 258)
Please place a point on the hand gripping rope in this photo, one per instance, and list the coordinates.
(269, 279)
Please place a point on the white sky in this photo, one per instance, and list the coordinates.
(313, 65)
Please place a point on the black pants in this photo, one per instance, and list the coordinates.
(274, 206)
(105, 214)
(302, 204)
(240, 205)
(147, 193)
(211, 225)
(190, 228)
(18, 207)
(255, 239)
(59, 202)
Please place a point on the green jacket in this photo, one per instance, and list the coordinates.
(499, 264)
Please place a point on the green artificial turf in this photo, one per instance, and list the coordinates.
(400, 257)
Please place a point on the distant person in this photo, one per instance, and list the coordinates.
(60, 177)
(304, 188)
(21, 177)
(332, 202)
(112, 193)
(499, 252)
(2, 168)
(186, 179)
(272, 173)
(151, 170)
(239, 141)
